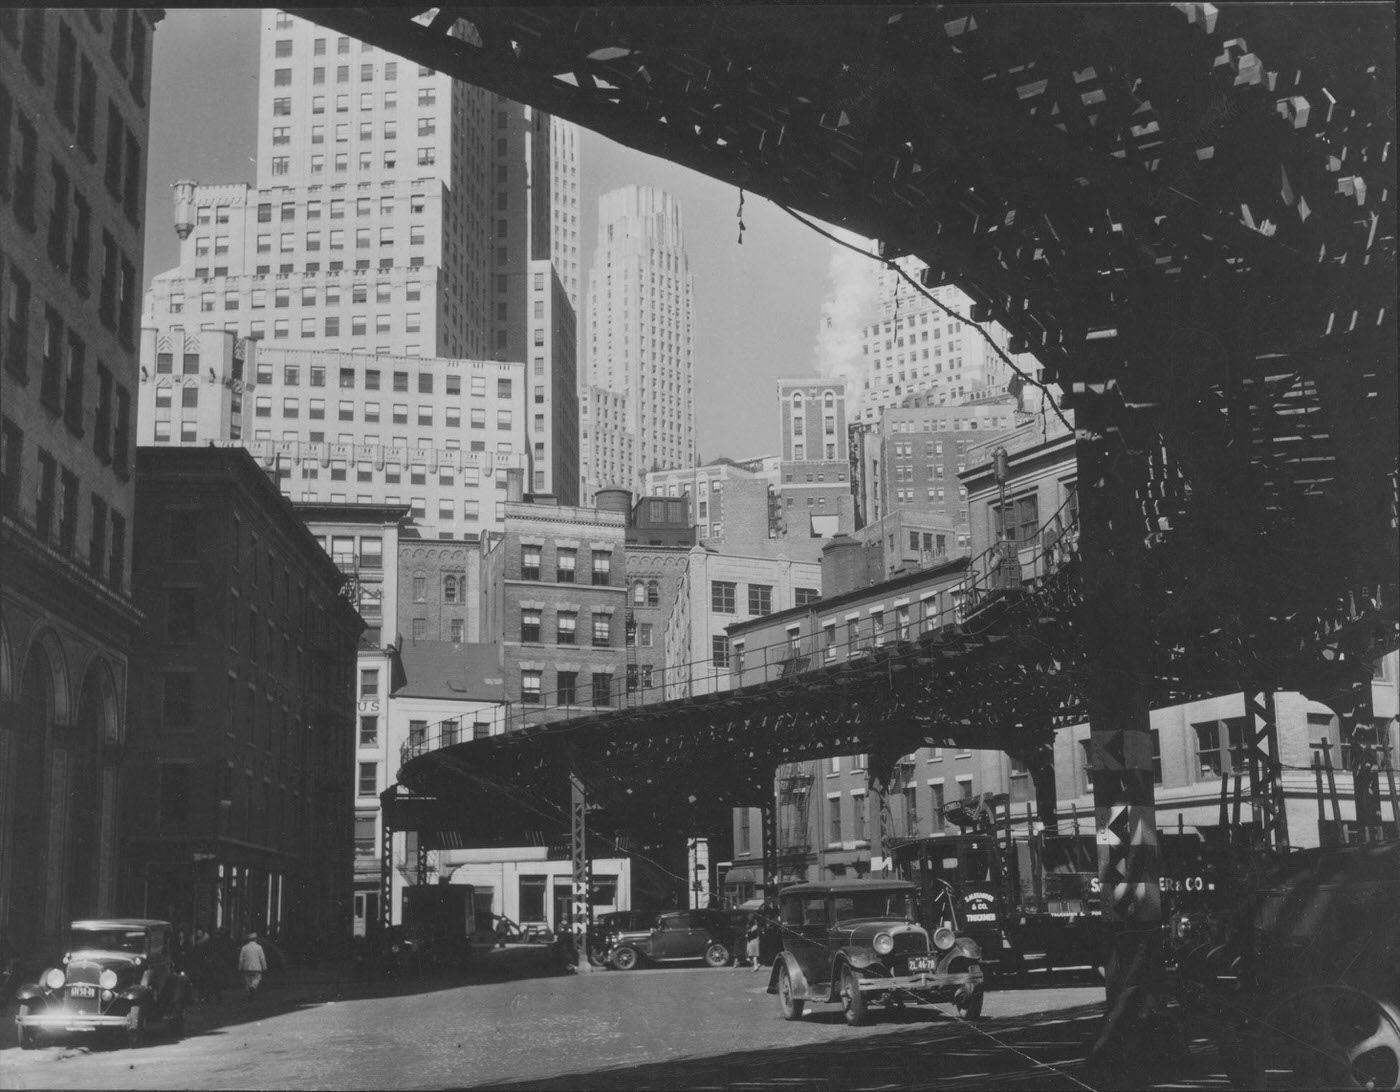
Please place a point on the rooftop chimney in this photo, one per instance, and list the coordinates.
(515, 485)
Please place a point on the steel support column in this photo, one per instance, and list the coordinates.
(422, 862)
(768, 812)
(578, 848)
(1119, 652)
(386, 872)
(1357, 725)
(1265, 770)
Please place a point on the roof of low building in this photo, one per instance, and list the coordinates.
(450, 671)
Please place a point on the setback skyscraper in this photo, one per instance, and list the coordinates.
(639, 341)
(395, 211)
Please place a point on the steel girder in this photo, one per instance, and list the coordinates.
(1191, 207)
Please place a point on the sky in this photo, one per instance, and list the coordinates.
(758, 305)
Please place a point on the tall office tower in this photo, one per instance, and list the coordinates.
(640, 330)
(912, 347)
(74, 114)
(814, 471)
(395, 211)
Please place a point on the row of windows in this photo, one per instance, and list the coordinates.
(565, 627)
(57, 495)
(723, 597)
(282, 134)
(566, 689)
(282, 296)
(565, 565)
(427, 96)
(335, 239)
(370, 411)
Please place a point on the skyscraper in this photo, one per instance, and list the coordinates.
(913, 347)
(639, 338)
(395, 211)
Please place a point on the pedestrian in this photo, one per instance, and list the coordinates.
(502, 930)
(252, 961)
(751, 938)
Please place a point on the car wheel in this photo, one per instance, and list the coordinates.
(852, 1000)
(791, 1005)
(967, 1002)
(717, 955)
(28, 1037)
(136, 1027)
(969, 1005)
(625, 959)
(1328, 1037)
(597, 957)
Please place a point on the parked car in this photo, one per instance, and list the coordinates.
(858, 941)
(118, 975)
(609, 927)
(1305, 991)
(676, 936)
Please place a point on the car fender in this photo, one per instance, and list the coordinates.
(138, 995)
(861, 958)
(963, 948)
(800, 989)
(32, 992)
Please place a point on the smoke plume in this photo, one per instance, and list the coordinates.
(849, 307)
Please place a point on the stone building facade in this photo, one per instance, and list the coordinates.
(74, 115)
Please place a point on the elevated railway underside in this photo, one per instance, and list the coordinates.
(1185, 212)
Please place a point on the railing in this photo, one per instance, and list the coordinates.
(1003, 569)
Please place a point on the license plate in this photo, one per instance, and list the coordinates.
(921, 963)
(82, 991)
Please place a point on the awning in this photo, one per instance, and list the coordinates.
(743, 874)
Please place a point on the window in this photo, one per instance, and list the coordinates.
(722, 596)
(1220, 747)
(1024, 520)
(368, 781)
(177, 702)
(530, 625)
(529, 562)
(566, 628)
(565, 561)
(833, 804)
(602, 630)
(760, 599)
(602, 568)
(530, 687)
(369, 683)
(566, 688)
(175, 795)
(719, 650)
(602, 690)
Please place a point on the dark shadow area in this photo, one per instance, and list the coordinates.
(928, 1049)
(300, 987)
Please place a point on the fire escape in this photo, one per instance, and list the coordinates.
(794, 832)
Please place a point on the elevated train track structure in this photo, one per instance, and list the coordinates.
(1185, 211)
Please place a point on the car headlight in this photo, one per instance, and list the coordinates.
(395, 948)
(54, 978)
(883, 943)
(108, 979)
(943, 938)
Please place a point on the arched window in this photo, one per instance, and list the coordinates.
(639, 594)
(449, 589)
(653, 593)
(797, 402)
(830, 400)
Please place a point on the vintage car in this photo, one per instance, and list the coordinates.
(606, 930)
(857, 941)
(117, 976)
(1305, 991)
(677, 935)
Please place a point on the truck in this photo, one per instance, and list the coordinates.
(1033, 900)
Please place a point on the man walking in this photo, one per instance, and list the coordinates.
(252, 961)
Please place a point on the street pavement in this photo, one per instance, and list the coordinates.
(516, 1022)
